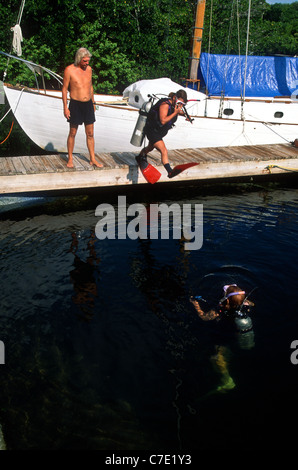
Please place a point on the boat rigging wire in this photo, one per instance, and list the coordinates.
(209, 48)
(5, 115)
(18, 23)
(239, 44)
(14, 114)
(279, 135)
(246, 54)
(21, 12)
(246, 51)
(222, 96)
(36, 68)
(267, 124)
(17, 104)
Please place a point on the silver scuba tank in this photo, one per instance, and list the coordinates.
(138, 133)
(245, 332)
(243, 323)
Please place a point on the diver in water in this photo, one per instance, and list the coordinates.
(233, 305)
(233, 308)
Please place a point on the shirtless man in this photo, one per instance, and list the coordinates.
(78, 79)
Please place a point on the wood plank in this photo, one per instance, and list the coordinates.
(29, 165)
(181, 156)
(8, 166)
(3, 166)
(131, 159)
(115, 177)
(259, 151)
(49, 172)
(80, 163)
(280, 151)
(38, 163)
(59, 163)
(118, 160)
(49, 167)
(126, 158)
(105, 159)
(83, 160)
(154, 161)
(231, 154)
(201, 155)
(245, 156)
(154, 158)
(292, 150)
(219, 155)
(193, 156)
(19, 166)
(213, 155)
(178, 157)
(204, 156)
(274, 151)
(63, 158)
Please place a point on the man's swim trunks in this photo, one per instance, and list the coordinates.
(81, 112)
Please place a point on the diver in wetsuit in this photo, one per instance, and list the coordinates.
(161, 118)
(234, 308)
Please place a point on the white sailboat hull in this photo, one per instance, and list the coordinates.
(41, 117)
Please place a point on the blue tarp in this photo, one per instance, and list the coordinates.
(265, 76)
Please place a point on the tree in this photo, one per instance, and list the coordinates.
(281, 26)
(141, 39)
(273, 28)
(112, 69)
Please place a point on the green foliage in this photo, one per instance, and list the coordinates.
(137, 39)
(281, 26)
(273, 28)
(111, 68)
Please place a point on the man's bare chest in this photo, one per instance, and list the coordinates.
(80, 79)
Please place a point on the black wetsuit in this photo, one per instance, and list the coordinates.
(154, 130)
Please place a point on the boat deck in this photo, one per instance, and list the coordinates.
(42, 173)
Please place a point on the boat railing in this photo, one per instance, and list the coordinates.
(37, 69)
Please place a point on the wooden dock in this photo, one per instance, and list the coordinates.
(42, 173)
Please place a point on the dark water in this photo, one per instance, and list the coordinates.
(104, 351)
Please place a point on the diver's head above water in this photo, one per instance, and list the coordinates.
(233, 297)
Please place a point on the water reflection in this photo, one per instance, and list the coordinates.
(104, 350)
(83, 277)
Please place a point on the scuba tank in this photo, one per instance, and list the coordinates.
(243, 323)
(138, 133)
(244, 327)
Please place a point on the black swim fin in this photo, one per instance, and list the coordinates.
(179, 168)
(150, 173)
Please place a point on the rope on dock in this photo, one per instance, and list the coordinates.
(281, 168)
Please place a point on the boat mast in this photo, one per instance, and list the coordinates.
(197, 43)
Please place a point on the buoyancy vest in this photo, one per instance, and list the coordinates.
(153, 116)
